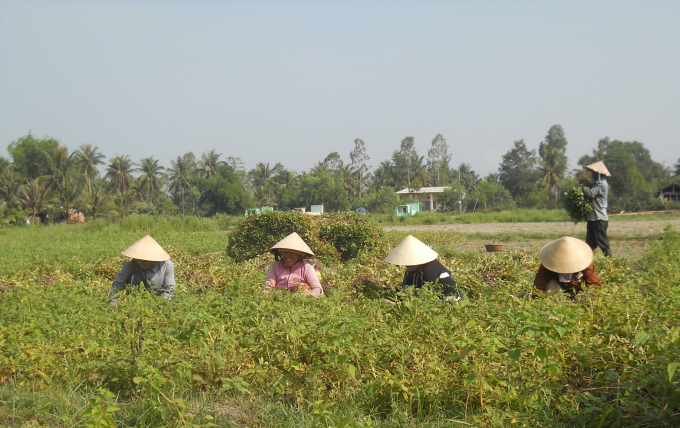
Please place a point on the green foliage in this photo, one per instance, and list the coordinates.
(223, 193)
(346, 360)
(329, 236)
(348, 233)
(577, 205)
(29, 155)
(321, 189)
(100, 413)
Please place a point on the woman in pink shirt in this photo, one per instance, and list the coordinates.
(290, 271)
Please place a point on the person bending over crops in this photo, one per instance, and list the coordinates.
(150, 265)
(290, 271)
(422, 267)
(566, 265)
(596, 231)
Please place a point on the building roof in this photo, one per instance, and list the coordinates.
(668, 186)
(407, 191)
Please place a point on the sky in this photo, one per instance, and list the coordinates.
(292, 81)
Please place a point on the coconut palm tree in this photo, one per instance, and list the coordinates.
(552, 166)
(4, 164)
(119, 173)
(207, 166)
(98, 201)
(32, 196)
(151, 180)
(180, 176)
(349, 180)
(59, 162)
(9, 186)
(264, 185)
(69, 194)
(318, 169)
(86, 162)
(382, 175)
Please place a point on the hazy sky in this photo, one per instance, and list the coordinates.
(291, 81)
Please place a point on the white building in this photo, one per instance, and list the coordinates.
(428, 196)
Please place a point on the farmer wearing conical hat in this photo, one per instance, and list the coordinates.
(566, 264)
(596, 232)
(150, 265)
(422, 267)
(290, 271)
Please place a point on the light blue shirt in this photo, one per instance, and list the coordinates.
(598, 194)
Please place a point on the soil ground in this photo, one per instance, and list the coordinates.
(627, 238)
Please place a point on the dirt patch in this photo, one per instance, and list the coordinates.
(240, 412)
(618, 229)
(631, 250)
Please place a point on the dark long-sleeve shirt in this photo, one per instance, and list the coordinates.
(433, 272)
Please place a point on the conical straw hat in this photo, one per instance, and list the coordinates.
(599, 167)
(411, 252)
(293, 243)
(147, 249)
(566, 255)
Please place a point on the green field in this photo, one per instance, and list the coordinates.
(223, 354)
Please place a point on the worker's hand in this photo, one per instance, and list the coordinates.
(578, 276)
(389, 302)
(114, 304)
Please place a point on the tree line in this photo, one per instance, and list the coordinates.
(42, 176)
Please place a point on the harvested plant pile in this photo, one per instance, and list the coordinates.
(577, 205)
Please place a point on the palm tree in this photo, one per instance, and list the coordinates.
(552, 166)
(151, 180)
(98, 201)
(32, 197)
(59, 162)
(180, 175)
(68, 194)
(318, 169)
(349, 180)
(9, 186)
(467, 177)
(262, 179)
(419, 175)
(86, 160)
(119, 173)
(286, 178)
(382, 175)
(4, 164)
(207, 166)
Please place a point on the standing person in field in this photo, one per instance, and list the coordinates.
(290, 271)
(150, 265)
(566, 265)
(422, 267)
(596, 232)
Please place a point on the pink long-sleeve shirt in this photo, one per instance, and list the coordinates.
(281, 276)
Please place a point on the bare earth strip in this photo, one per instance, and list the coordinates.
(618, 229)
(628, 238)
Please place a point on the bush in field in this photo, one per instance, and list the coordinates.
(330, 236)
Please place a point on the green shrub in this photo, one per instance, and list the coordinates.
(331, 236)
(349, 233)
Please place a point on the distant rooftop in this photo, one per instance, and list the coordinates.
(421, 190)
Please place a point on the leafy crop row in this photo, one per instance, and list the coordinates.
(499, 358)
